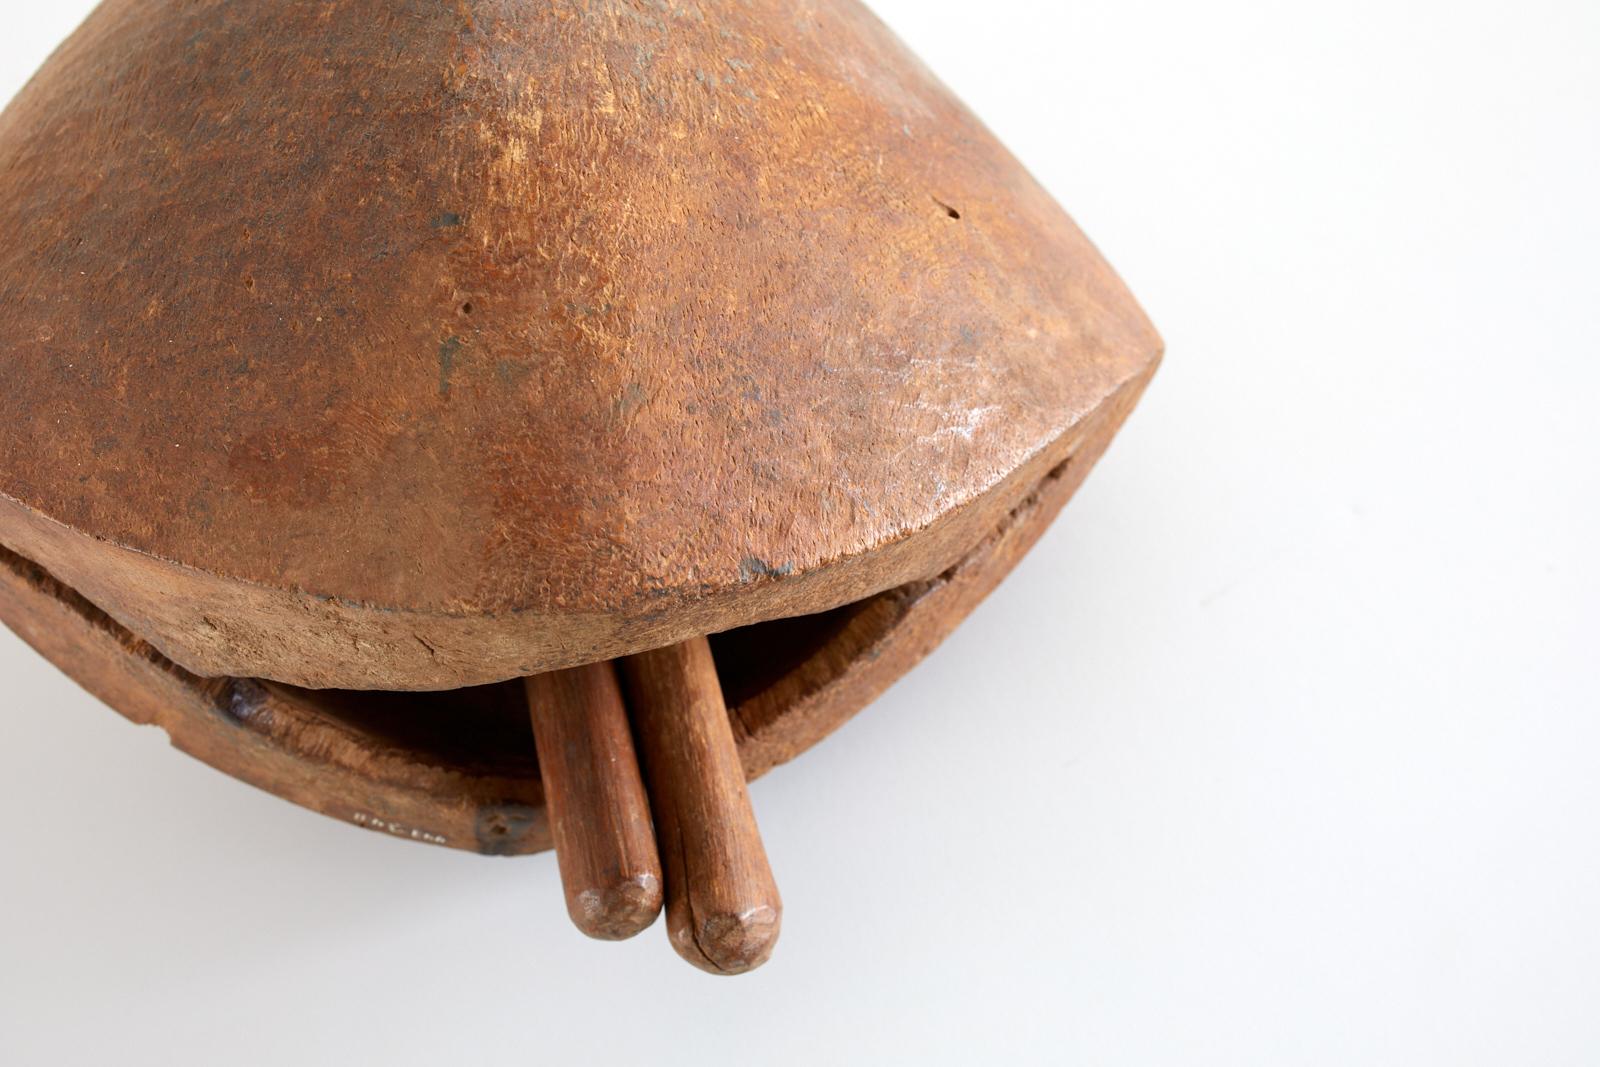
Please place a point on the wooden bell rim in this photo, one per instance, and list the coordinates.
(457, 768)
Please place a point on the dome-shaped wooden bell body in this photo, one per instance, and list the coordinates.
(423, 346)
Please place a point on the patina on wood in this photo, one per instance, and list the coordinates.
(459, 768)
(382, 372)
(422, 345)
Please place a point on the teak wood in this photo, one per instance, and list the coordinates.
(381, 379)
(723, 909)
(599, 816)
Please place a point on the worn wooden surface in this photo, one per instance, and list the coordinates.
(594, 796)
(879, 639)
(419, 345)
(723, 908)
(386, 768)
(464, 774)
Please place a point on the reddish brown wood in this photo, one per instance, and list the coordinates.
(875, 641)
(374, 760)
(363, 362)
(353, 347)
(599, 815)
(458, 768)
(723, 909)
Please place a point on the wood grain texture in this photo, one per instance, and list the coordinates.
(882, 638)
(458, 777)
(420, 345)
(723, 908)
(598, 812)
(463, 775)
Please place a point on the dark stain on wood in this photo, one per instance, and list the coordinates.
(448, 349)
(502, 829)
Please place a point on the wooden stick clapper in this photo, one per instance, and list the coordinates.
(599, 816)
(723, 908)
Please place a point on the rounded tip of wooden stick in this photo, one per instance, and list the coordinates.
(730, 944)
(617, 912)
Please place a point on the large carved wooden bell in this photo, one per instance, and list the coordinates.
(377, 374)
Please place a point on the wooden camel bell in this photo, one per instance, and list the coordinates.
(379, 374)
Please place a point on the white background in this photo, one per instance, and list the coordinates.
(1283, 748)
